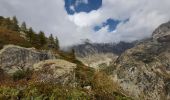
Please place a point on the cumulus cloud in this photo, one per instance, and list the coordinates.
(144, 16)
(50, 16)
(84, 19)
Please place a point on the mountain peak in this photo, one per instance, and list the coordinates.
(162, 33)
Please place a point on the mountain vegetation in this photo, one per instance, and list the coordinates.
(35, 68)
(13, 33)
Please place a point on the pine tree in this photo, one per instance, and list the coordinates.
(30, 35)
(15, 26)
(23, 27)
(57, 43)
(51, 41)
(15, 20)
(42, 38)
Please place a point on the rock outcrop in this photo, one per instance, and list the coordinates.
(13, 58)
(56, 71)
(143, 72)
(44, 64)
(162, 34)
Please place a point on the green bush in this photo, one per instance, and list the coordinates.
(22, 74)
(7, 93)
(43, 92)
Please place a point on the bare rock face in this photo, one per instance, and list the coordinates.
(56, 71)
(13, 58)
(162, 34)
(143, 72)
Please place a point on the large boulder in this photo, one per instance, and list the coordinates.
(143, 72)
(56, 71)
(13, 58)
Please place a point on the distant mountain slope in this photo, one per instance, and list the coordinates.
(99, 55)
(86, 49)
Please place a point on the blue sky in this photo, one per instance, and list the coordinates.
(77, 6)
(98, 20)
(111, 23)
(82, 5)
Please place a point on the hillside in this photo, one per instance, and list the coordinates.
(143, 72)
(33, 67)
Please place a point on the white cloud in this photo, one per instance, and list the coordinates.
(51, 17)
(83, 19)
(144, 16)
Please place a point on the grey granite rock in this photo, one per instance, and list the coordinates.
(13, 58)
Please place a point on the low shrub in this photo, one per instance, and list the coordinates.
(22, 74)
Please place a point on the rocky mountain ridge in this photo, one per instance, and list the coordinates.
(88, 48)
(143, 72)
(97, 55)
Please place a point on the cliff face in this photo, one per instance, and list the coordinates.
(143, 72)
(14, 58)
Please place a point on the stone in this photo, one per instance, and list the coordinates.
(13, 58)
(56, 71)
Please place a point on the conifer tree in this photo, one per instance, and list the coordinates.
(51, 41)
(30, 35)
(15, 20)
(14, 26)
(57, 43)
(42, 38)
(23, 27)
